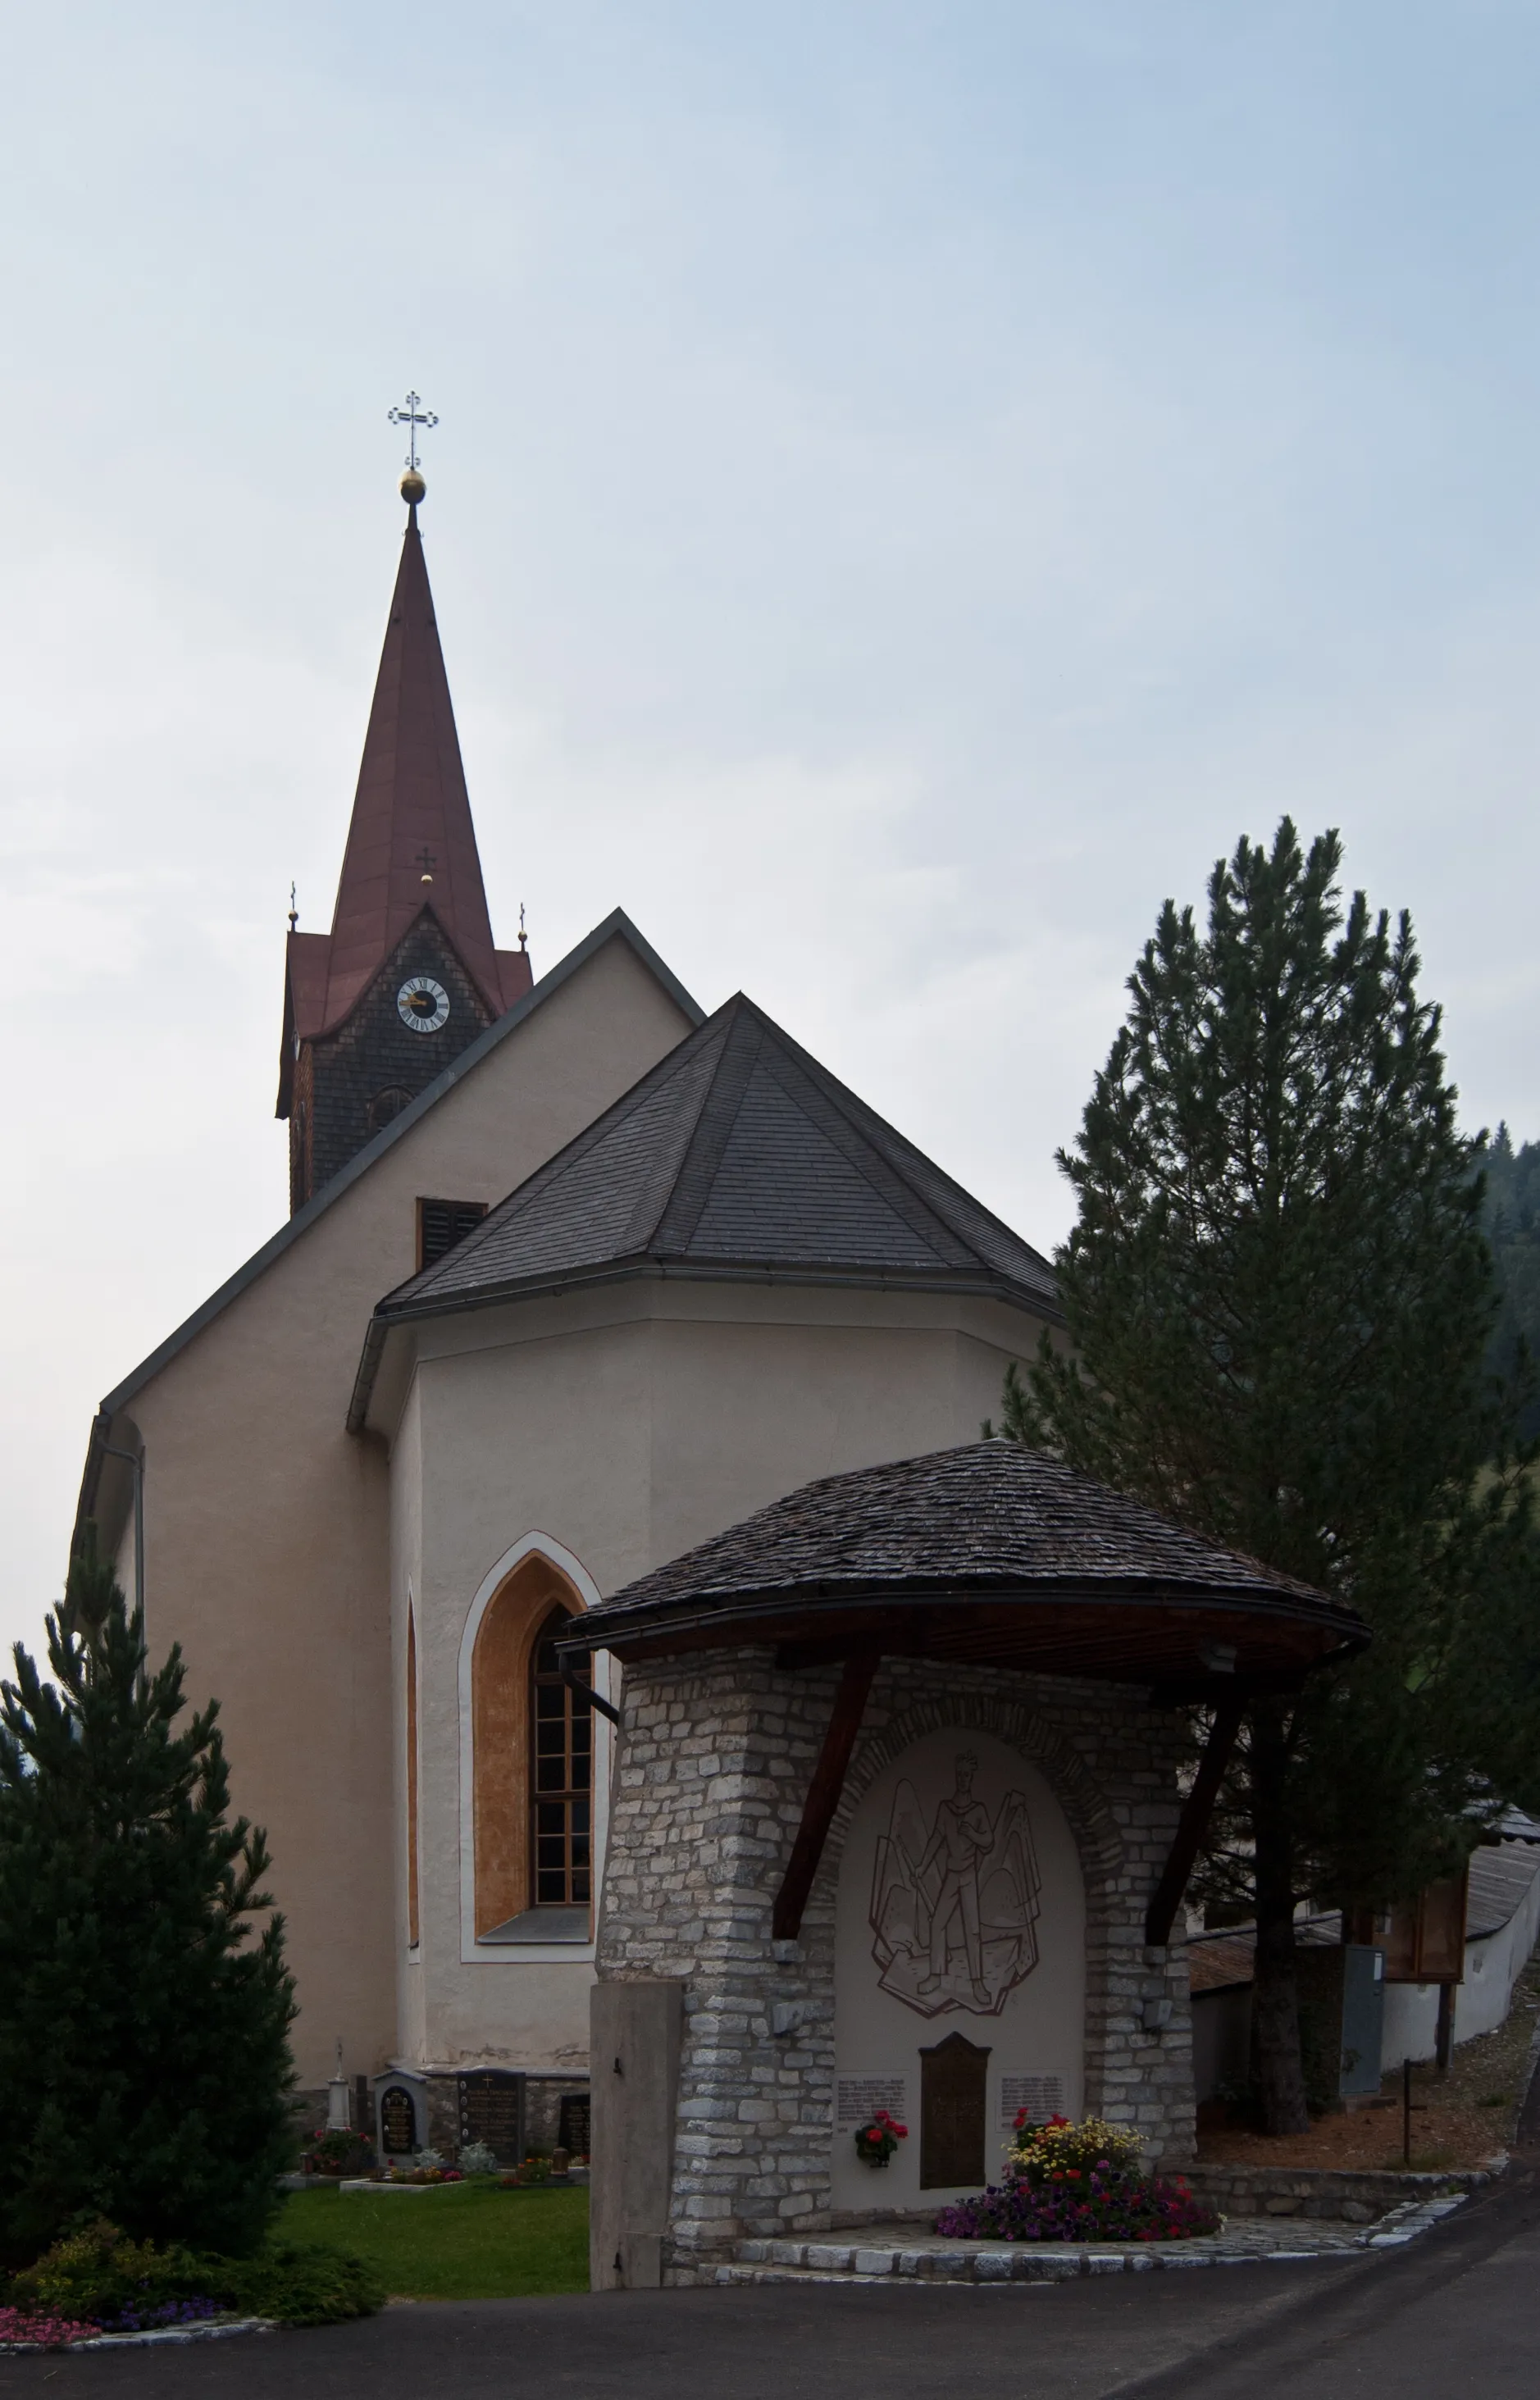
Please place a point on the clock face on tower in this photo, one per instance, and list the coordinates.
(423, 1004)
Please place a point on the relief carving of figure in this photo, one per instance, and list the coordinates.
(955, 1904)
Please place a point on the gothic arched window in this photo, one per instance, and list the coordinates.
(531, 1765)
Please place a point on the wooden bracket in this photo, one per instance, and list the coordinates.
(1193, 1824)
(829, 1782)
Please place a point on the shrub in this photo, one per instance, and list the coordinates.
(143, 2031)
(339, 2152)
(99, 2272)
(478, 2159)
(99, 2278)
(301, 2286)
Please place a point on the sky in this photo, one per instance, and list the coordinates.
(914, 485)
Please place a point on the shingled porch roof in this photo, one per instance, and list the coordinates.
(988, 1554)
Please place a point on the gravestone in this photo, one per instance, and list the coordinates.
(953, 2079)
(397, 2121)
(572, 2132)
(491, 2111)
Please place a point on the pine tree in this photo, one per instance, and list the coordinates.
(144, 2033)
(1277, 1298)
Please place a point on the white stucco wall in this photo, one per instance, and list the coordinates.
(1036, 2029)
(268, 1541)
(626, 1423)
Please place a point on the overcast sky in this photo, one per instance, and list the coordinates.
(915, 484)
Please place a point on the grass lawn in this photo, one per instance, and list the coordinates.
(469, 2241)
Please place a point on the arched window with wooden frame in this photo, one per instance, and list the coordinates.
(531, 1766)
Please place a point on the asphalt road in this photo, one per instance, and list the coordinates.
(1453, 2314)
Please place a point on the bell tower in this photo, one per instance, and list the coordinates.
(409, 973)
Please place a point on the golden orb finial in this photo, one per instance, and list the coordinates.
(413, 488)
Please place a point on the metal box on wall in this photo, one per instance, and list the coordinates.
(1341, 2019)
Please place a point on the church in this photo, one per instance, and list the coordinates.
(461, 1496)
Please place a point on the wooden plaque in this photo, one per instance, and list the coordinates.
(953, 2118)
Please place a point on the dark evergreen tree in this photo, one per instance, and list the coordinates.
(144, 2029)
(1278, 1298)
(1511, 1218)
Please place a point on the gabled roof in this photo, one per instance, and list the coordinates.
(737, 1153)
(989, 1553)
(410, 843)
(617, 926)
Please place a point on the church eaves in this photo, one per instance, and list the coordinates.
(737, 1155)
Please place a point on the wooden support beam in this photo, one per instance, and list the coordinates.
(1193, 1824)
(829, 1782)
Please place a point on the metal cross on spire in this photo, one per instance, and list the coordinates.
(414, 415)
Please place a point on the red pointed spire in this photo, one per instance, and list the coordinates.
(411, 843)
(412, 813)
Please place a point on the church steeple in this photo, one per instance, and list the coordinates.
(355, 1048)
(411, 843)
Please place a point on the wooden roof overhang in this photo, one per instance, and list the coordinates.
(1054, 1575)
(1188, 1641)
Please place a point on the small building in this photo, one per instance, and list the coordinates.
(897, 1824)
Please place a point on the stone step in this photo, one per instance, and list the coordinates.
(998, 2263)
(920, 2261)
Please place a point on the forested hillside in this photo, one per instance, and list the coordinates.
(1513, 1229)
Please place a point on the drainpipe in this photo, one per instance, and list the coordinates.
(136, 1460)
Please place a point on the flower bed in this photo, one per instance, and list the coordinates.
(1078, 2183)
(97, 2280)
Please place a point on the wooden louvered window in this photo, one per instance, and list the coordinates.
(561, 1760)
(441, 1223)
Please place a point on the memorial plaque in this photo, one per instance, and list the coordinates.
(1041, 2095)
(492, 2111)
(952, 2113)
(857, 2098)
(572, 2130)
(397, 2121)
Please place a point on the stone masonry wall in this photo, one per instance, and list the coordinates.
(715, 1760)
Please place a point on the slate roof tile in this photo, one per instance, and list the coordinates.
(737, 1151)
(988, 1515)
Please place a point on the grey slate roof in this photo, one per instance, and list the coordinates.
(1502, 1876)
(988, 1519)
(737, 1153)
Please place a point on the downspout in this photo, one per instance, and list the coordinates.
(135, 1459)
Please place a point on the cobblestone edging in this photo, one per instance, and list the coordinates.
(157, 2337)
(963, 2263)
